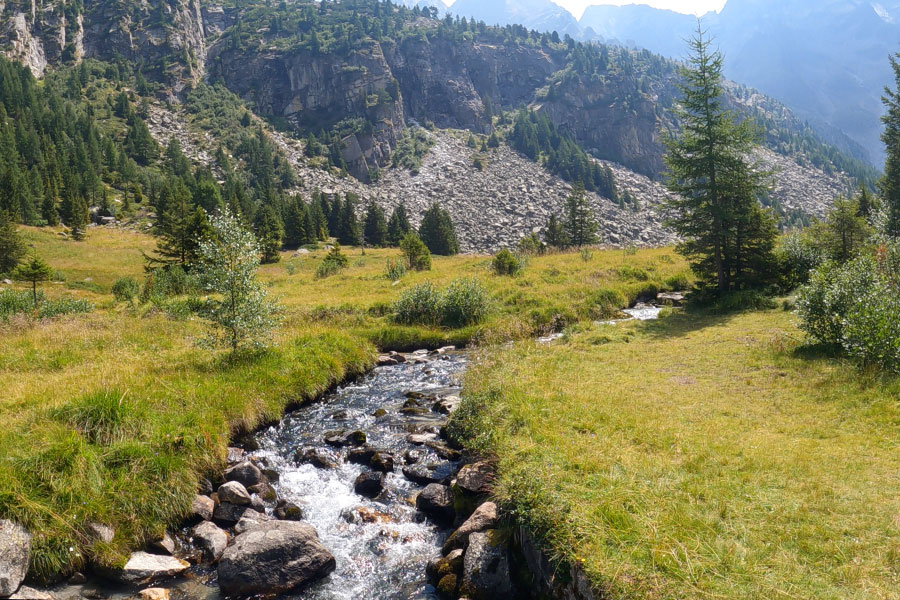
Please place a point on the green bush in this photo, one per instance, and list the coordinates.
(168, 281)
(826, 301)
(13, 302)
(126, 289)
(605, 303)
(506, 263)
(63, 306)
(334, 262)
(418, 256)
(419, 305)
(631, 272)
(677, 282)
(797, 256)
(465, 302)
(394, 270)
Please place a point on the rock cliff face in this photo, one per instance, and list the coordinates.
(37, 33)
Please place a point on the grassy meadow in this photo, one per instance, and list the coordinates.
(113, 416)
(697, 456)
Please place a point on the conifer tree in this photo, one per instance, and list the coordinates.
(889, 184)
(728, 237)
(555, 233)
(180, 229)
(297, 226)
(269, 233)
(581, 225)
(438, 233)
(78, 220)
(12, 248)
(34, 271)
(348, 225)
(398, 226)
(375, 227)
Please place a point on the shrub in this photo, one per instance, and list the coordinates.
(630, 272)
(334, 262)
(394, 270)
(418, 256)
(605, 303)
(824, 303)
(63, 306)
(126, 289)
(506, 263)
(168, 281)
(465, 302)
(13, 302)
(677, 282)
(586, 254)
(797, 257)
(419, 305)
(530, 245)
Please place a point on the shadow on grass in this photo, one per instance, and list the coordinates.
(816, 352)
(683, 323)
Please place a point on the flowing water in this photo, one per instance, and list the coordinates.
(381, 546)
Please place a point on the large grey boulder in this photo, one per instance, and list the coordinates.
(210, 540)
(245, 473)
(272, 558)
(486, 568)
(143, 567)
(436, 501)
(202, 507)
(234, 492)
(15, 551)
(484, 517)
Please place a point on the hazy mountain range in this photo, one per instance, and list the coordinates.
(827, 59)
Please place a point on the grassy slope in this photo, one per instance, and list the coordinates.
(113, 416)
(700, 457)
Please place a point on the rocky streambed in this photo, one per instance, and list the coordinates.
(356, 496)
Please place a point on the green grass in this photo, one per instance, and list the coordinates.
(699, 456)
(114, 416)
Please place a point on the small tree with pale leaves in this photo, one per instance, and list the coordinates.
(242, 316)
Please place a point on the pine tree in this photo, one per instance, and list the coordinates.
(581, 225)
(34, 271)
(269, 233)
(297, 226)
(180, 228)
(375, 227)
(438, 233)
(864, 201)
(555, 233)
(12, 248)
(889, 184)
(79, 218)
(398, 226)
(348, 232)
(846, 228)
(727, 235)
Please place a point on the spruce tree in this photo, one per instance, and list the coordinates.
(375, 227)
(555, 233)
(889, 184)
(438, 233)
(728, 237)
(12, 248)
(269, 233)
(581, 225)
(398, 226)
(78, 220)
(348, 232)
(297, 227)
(180, 228)
(34, 271)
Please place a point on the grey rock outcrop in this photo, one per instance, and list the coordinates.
(486, 573)
(15, 552)
(143, 567)
(272, 558)
(210, 540)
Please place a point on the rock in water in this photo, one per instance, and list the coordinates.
(203, 507)
(235, 493)
(245, 473)
(484, 517)
(154, 594)
(272, 558)
(28, 593)
(486, 568)
(15, 550)
(210, 540)
(369, 484)
(475, 478)
(143, 567)
(436, 501)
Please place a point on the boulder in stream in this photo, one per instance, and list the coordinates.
(345, 438)
(288, 511)
(484, 518)
(436, 501)
(234, 492)
(143, 567)
(245, 473)
(486, 568)
(321, 458)
(273, 558)
(210, 540)
(475, 478)
(369, 484)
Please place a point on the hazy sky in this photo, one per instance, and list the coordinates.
(697, 7)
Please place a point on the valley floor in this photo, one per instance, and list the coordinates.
(698, 457)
